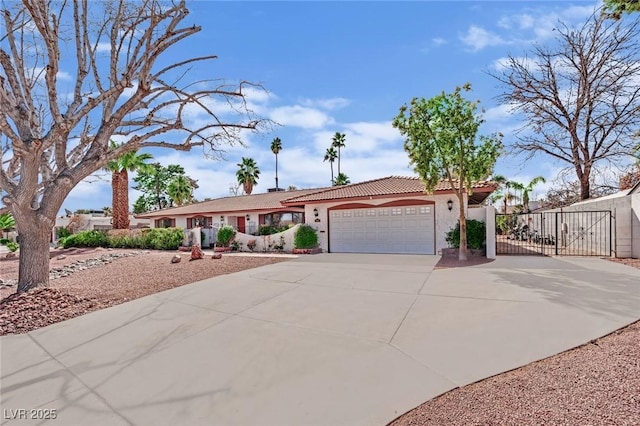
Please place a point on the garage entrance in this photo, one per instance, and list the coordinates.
(406, 229)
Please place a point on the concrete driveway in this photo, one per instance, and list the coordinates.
(320, 340)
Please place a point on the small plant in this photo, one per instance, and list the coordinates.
(305, 237)
(12, 246)
(251, 244)
(62, 233)
(225, 235)
(236, 245)
(476, 235)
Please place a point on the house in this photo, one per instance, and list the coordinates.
(387, 215)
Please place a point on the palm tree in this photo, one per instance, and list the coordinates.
(180, 190)
(338, 141)
(331, 156)
(341, 179)
(276, 147)
(517, 186)
(130, 161)
(248, 174)
(528, 189)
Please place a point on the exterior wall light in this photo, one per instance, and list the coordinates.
(315, 212)
(248, 217)
(221, 218)
(450, 204)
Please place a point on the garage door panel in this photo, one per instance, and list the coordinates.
(408, 229)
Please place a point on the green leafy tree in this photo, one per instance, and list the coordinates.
(341, 179)
(615, 8)
(441, 138)
(248, 174)
(331, 156)
(276, 147)
(154, 185)
(130, 161)
(338, 141)
(180, 190)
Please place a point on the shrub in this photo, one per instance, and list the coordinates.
(86, 239)
(476, 235)
(125, 241)
(12, 246)
(305, 237)
(62, 233)
(162, 238)
(225, 235)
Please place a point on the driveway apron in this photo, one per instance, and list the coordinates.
(331, 339)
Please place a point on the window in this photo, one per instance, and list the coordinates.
(283, 218)
(396, 212)
(410, 210)
(383, 212)
(165, 222)
(359, 213)
(201, 221)
(347, 213)
(335, 214)
(371, 212)
(425, 210)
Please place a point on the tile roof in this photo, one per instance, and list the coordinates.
(392, 185)
(265, 201)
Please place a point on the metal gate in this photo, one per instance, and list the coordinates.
(561, 233)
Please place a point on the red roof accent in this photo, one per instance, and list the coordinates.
(392, 185)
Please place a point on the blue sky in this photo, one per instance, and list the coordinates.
(348, 67)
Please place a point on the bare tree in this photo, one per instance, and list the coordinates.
(580, 98)
(122, 87)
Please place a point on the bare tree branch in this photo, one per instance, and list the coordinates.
(580, 98)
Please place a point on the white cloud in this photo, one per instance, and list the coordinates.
(499, 113)
(478, 38)
(438, 41)
(300, 116)
(326, 104)
(103, 47)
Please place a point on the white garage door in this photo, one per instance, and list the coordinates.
(406, 229)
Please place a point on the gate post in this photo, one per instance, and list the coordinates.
(490, 226)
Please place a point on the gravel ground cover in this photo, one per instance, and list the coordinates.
(123, 279)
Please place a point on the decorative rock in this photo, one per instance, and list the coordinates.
(61, 257)
(196, 253)
(10, 255)
(176, 259)
(217, 256)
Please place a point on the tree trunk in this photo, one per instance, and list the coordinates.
(462, 251)
(120, 194)
(338, 160)
(585, 187)
(248, 187)
(34, 256)
(276, 172)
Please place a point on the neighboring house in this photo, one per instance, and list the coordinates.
(625, 218)
(89, 222)
(387, 215)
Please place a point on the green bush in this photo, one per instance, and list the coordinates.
(62, 233)
(162, 238)
(305, 237)
(86, 239)
(4, 241)
(225, 235)
(155, 239)
(270, 230)
(12, 246)
(476, 235)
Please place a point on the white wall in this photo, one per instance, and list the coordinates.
(627, 242)
(445, 219)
